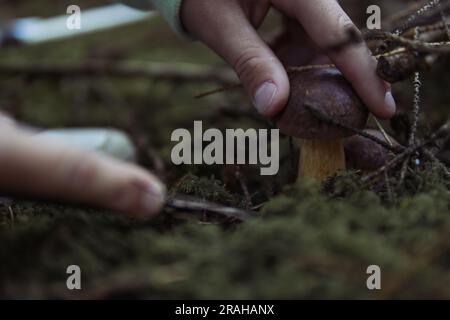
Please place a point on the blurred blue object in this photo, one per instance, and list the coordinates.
(111, 142)
(37, 30)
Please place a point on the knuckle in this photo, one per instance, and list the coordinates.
(249, 63)
(338, 33)
(344, 27)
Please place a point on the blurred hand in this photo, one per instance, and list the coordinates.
(43, 168)
(228, 27)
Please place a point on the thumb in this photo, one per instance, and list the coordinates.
(232, 36)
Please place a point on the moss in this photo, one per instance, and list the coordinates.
(307, 244)
(209, 189)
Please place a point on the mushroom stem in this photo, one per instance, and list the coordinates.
(320, 159)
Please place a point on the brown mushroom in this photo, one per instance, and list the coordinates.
(366, 155)
(321, 143)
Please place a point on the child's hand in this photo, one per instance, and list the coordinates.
(41, 168)
(228, 27)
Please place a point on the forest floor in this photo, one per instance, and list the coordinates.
(306, 241)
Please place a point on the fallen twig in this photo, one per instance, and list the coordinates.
(194, 204)
(440, 133)
(417, 15)
(397, 21)
(157, 71)
(416, 45)
(325, 118)
(383, 132)
(433, 158)
(417, 84)
(391, 164)
(289, 70)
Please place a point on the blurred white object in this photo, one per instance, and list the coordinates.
(37, 30)
(111, 142)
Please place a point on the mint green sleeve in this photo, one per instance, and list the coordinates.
(169, 9)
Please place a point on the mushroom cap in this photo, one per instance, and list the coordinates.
(366, 155)
(323, 89)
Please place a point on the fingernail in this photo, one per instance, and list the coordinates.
(389, 102)
(142, 199)
(152, 198)
(264, 96)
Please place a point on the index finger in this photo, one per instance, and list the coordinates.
(327, 24)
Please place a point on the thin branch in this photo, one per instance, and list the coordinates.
(383, 132)
(388, 166)
(416, 45)
(417, 84)
(218, 90)
(442, 132)
(325, 118)
(289, 70)
(426, 13)
(292, 70)
(416, 108)
(400, 16)
(194, 204)
(157, 71)
(404, 169)
(433, 158)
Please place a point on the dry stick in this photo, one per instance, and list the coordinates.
(416, 110)
(441, 132)
(289, 70)
(411, 10)
(416, 45)
(391, 164)
(194, 204)
(441, 25)
(319, 114)
(158, 71)
(404, 169)
(11, 215)
(414, 18)
(427, 31)
(433, 158)
(417, 84)
(218, 90)
(383, 132)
